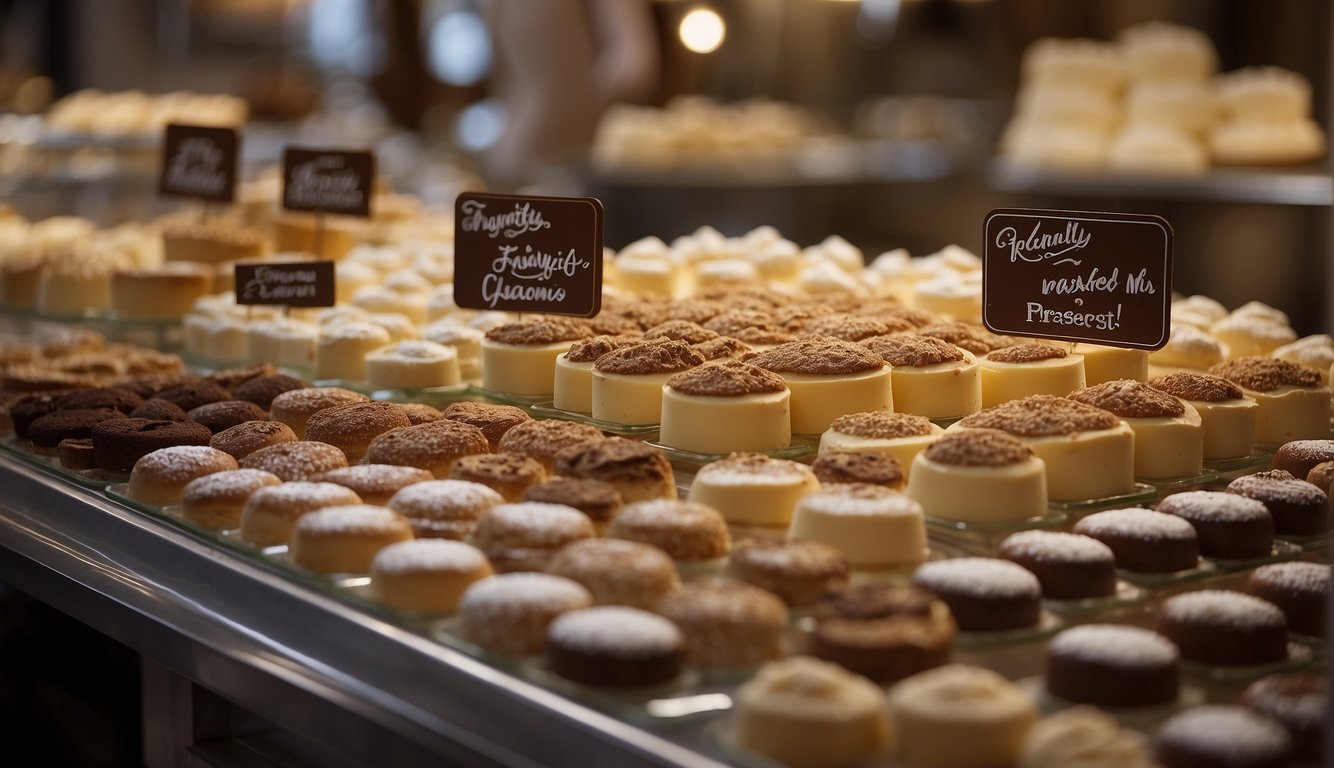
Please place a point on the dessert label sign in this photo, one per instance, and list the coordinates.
(199, 161)
(528, 254)
(1078, 276)
(328, 181)
(294, 284)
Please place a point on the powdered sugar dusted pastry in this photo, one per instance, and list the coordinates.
(1223, 627)
(751, 489)
(434, 446)
(984, 594)
(617, 571)
(1144, 541)
(687, 532)
(1084, 736)
(523, 536)
(426, 575)
(345, 539)
(874, 527)
(161, 476)
(1112, 665)
(509, 613)
(446, 509)
(270, 513)
(1218, 735)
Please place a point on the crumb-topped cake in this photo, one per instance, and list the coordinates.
(900, 436)
(628, 381)
(726, 406)
(931, 377)
(574, 370)
(1293, 403)
(1227, 415)
(520, 357)
(1020, 370)
(829, 378)
(753, 489)
(979, 475)
(1169, 437)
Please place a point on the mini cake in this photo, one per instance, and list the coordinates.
(1298, 507)
(413, 364)
(573, 384)
(494, 420)
(226, 414)
(1299, 589)
(1229, 526)
(724, 407)
(1224, 628)
(261, 390)
(270, 513)
(726, 623)
(296, 407)
(828, 378)
(345, 539)
(984, 594)
(898, 435)
(1103, 363)
(797, 571)
(434, 446)
(1083, 736)
(76, 453)
(614, 646)
(374, 483)
(1069, 566)
(300, 460)
(1111, 665)
(510, 613)
(1090, 453)
(157, 409)
(1227, 415)
(353, 427)
(119, 398)
(931, 377)
(211, 243)
(1015, 372)
(885, 632)
(1293, 404)
(1249, 335)
(1169, 439)
(1221, 736)
(545, 439)
(628, 381)
(1301, 456)
(637, 470)
(510, 474)
(246, 438)
(1187, 349)
(522, 537)
(979, 476)
(343, 347)
(46, 432)
(685, 531)
(874, 527)
(193, 394)
(600, 501)
(421, 413)
(751, 489)
(285, 340)
(1298, 701)
(956, 715)
(445, 509)
(160, 477)
(520, 358)
(849, 467)
(807, 713)
(617, 572)
(162, 293)
(1144, 541)
(216, 501)
(427, 575)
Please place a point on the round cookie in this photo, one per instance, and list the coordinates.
(354, 426)
(1112, 665)
(600, 501)
(261, 390)
(1069, 566)
(1224, 628)
(246, 438)
(617, 572)
(984, 594)
(194, 394)
(295, 407)
(160, 477)
(884, 631)
(522, 537)
(119, 398)
(216, 501)
(494, 420)
(510, 474)
(545, 439)
(270, 514)
(614, 646)
(726, 623)
(509, 613)
(797, 571)
(300, 460)
(637, 470)
(421, 413)
(119, 443)
(426, 575)
(157, 408)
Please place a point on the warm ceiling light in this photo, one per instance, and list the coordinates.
(702, 30)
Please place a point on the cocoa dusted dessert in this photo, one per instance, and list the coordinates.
(118, 444)
(984, 594)
(1293, 403)
(724, 407)
(1144, 541)
(932, 378)
(157, 408)
(1229, 526)
(231, 378)
(225, 414)
(1227, 415)
(261, 390)
(300, 460)
(573, 385)
(494, 420)
(600, 501)
(29, 408)
(849, 467)
(1069, 566)
(1020, 370)
(882, 631)
(1222, 736)
(614, 646)
(520, 357)
(637, 470)
(685, 531)
(1224, 628)
(120, 398)
(979, 476)
(898, 435)
(1299, 589)
(509, 474)
(1298, 507)
(545, 439)
(47, 431)
(1169, 437)
(192, 395)
(796, 570)
(727, 624)
(848, 327)
(681, 330)
(628, 381)
(973, 338)
(435, 445)
(1299, 702)
(723, 348)
(828, 378)
(1112, 665)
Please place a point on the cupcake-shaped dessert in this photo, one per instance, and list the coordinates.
(984, 594)
(345, 539)
(1015, 372)
(727, 406)
(520, 358)
(510, 613)
(931, 377)
(1293, 403)
(1224, 628)
(426, 575)
(614, 646)
(637, 470)
(979, 475)
(1299, 589)
(1144, 541)
(1069, 566)
(687, 532)
(1228, 525)
(885, 632)
(828, 378)
(1299, 702)
(1111, 665)
(898, 435)
(752, 489)
(413, 364)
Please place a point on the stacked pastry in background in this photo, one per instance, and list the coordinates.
(1153, 102)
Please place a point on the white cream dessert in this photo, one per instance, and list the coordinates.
(1104, 363)
(1187, 348)
(1248, 335)
(931, 377)
(1293, 404)
(1169, 437)
(828, 378)
(726, 406)
(284, 341)
(959, 716)
(898, 435)
(574, 371)
(1157, 51)
(628, 381)
(1315, 351)
(1090, 453)
(873, 526)
(1227, 415)
(1013, 373)
(750, 489)
(413, 364)
(1086, 737)
(466, 341)
(520, 357)
(979, 476)
(342, 349)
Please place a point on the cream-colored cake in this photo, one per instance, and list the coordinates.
(1267, 142)
(1227, 415)
(285, 341)
(426, 575)
(413, 364)
(1187, 348)
(1169, 436)
(828, 378)
(931, 377)
(873, 526)
(959, 716)
(723, 407)
(225, 339)
(1090, 453)
(211, 243)
(1265, 93)
(750, 489)
(1157, 51)
(1248, 335)
(520, 358)
(1104, 363)
(166, 292)
(378, 298)
(1316, 351)
(331, 238)
(1012, 373)
(898, 435)
(1190, 108)
(466, 341)
(343, 347)
(574, 371)
(1292, 402)
(628, 382)
(1080, 63)
(979, 476)
(1084, 737)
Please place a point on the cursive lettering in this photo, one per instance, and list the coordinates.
(523, 219)
(1043, 247)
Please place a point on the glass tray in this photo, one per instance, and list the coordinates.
(546, 410)
(507, 398)
(1126, 595)
(984, 538)
(1300, 656)
(794, 452)
(1203, 570)
(97, 479)
(1143, 492)
(1242, 464)
(1169, 486)
(1316, 543)
(1279, 552)
(681, 698)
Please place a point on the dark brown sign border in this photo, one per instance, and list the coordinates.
(359, 162)
(322, 283)
(228, 140)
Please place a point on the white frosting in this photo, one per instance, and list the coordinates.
(615, 629)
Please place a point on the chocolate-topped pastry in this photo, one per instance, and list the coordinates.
(614, 646)
(1226, 628)
(849, 327)
(600, 501)
(494, 420)
(1298, 507)
(973, 338)
(984, 594)
(1229, 526)
(1299, 589)
(797, 570)
(231, 378)
(1069, 566)
(1220, 736)
(1298, 701)
(192, 395)
(123, 400)
(157, 408)
(1144, 541)
(882, 631)
(828, 378)
(225, 414)
(76, 453)
(29, 408)
(1111, 665)
(119, 443)
(1322, 476)
(262, 389)
(1300, 456)
(850, 467)
(49, 430)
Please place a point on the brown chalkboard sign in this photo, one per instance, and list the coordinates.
(328, 181)
(1078, 276)
(291, 284)
(199, 161)
(528, 254)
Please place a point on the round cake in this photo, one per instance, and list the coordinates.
(614, 646)
(119, 398)
(118, 444)
(269, 514)
(1144, 541)
(76, 453)
(444, 509)
(849, 467)
(354, 426)
(510, 613)
(160, 477)
(637, 470)
(753, 489)
(543, 440)
(979, 476)
(797, 571)
(1084, 737)
(426, 575)
(494, 420)
(687, 532)
(1224, 628)
(300, 460)
(295, 407)
(510, 474)
(1069, 566)
(159, 409)
(226, 413)
(1297, 507)
(984, 594)
(345, 539)
(246, 438)
(47, 431)
(885, 632)
(261, 390)
(421, 413)
(374, 483)
(873, 527)
(600, 501)
(956, 716)
(1299, 702)
(1229, 526)
(433, 446)
(1299, 589)
(194, 394)
(617, 571)
(523, 536)
(898, 435)
(727, 624)
(1221, 736)
(216, 501)
(1113, 665)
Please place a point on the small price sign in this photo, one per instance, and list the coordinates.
(199, 161)
(328, 181)
(290, 284)
(1078, 276)
(528, 254)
